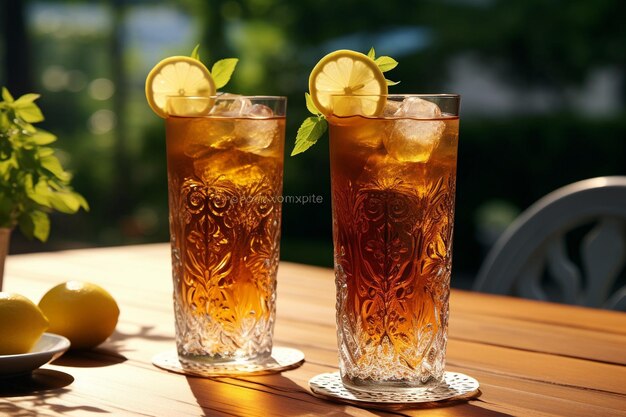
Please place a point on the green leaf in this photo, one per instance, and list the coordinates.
(40, 193)
(26, 99)
(372, 53)
(222, 71)
(310, 105)
(52, 165)
(65, 202)
(6, 213)
(35, 223)
(386, 63)
(32, 180)
(41, 137)
(6, 167)
(195, 54)
(6, 149)
(28, 128)
(81, 201)
(5, 123)
(45, 151)
(389, 82)
(29, 112)
(55, 196)
(6, 96)
(309, 133)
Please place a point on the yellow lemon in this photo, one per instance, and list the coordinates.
(83, 312)
(179, 76)
(353, 76)
(21, 324)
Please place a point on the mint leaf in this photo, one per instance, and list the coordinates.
(310, 105)
(308, 133)
(6, 96)
(372, 53)
(389, 82)
(222, 71)
(195, 54)
(386, 63)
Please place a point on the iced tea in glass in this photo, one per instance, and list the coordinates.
(393, 185)
(225, 171)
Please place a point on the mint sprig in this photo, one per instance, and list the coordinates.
(311, 129)
(32, 180)
(195, 54)
(221, 71)
(309, 132)
(315, 126)
(384, 63)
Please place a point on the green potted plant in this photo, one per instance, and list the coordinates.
(32, 180)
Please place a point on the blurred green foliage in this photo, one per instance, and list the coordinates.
(33, 182)
(115, 145)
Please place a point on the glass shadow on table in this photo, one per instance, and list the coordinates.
(277, 395)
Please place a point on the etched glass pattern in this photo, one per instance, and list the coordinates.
(225, 233)
(392, 230)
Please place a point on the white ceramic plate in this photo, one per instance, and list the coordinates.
(49, 347)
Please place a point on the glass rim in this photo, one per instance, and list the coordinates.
(399, 95)
(220, 97)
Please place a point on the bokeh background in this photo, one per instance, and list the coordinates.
(542, 82)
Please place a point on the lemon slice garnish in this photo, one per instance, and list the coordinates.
(355, 77)
(179, 76)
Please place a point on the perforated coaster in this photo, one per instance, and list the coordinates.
(282, 359)
(455, 386)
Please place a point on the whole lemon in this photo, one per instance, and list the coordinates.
(21, 324)
(83, 312)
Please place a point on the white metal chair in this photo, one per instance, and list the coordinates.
(534, 247)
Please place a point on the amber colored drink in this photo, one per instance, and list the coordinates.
(224, 180)
(393, 186)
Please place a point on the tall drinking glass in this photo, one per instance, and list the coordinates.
(393, 185)
(225, 174)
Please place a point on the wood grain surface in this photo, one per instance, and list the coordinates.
(531, 358)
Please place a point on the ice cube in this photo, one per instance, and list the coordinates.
(413, 140)
(420, 108)
(201, 135)
(255, 135)
(252, 133)
(230, 105)
(259, 110)
(386, 169)
(367, 134)
(391, 107)
(240, 168)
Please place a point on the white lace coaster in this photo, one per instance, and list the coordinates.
(455, 386)
(282, 359)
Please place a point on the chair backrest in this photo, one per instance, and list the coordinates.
(534, 246)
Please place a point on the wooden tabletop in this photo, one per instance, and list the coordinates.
(531, 358)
